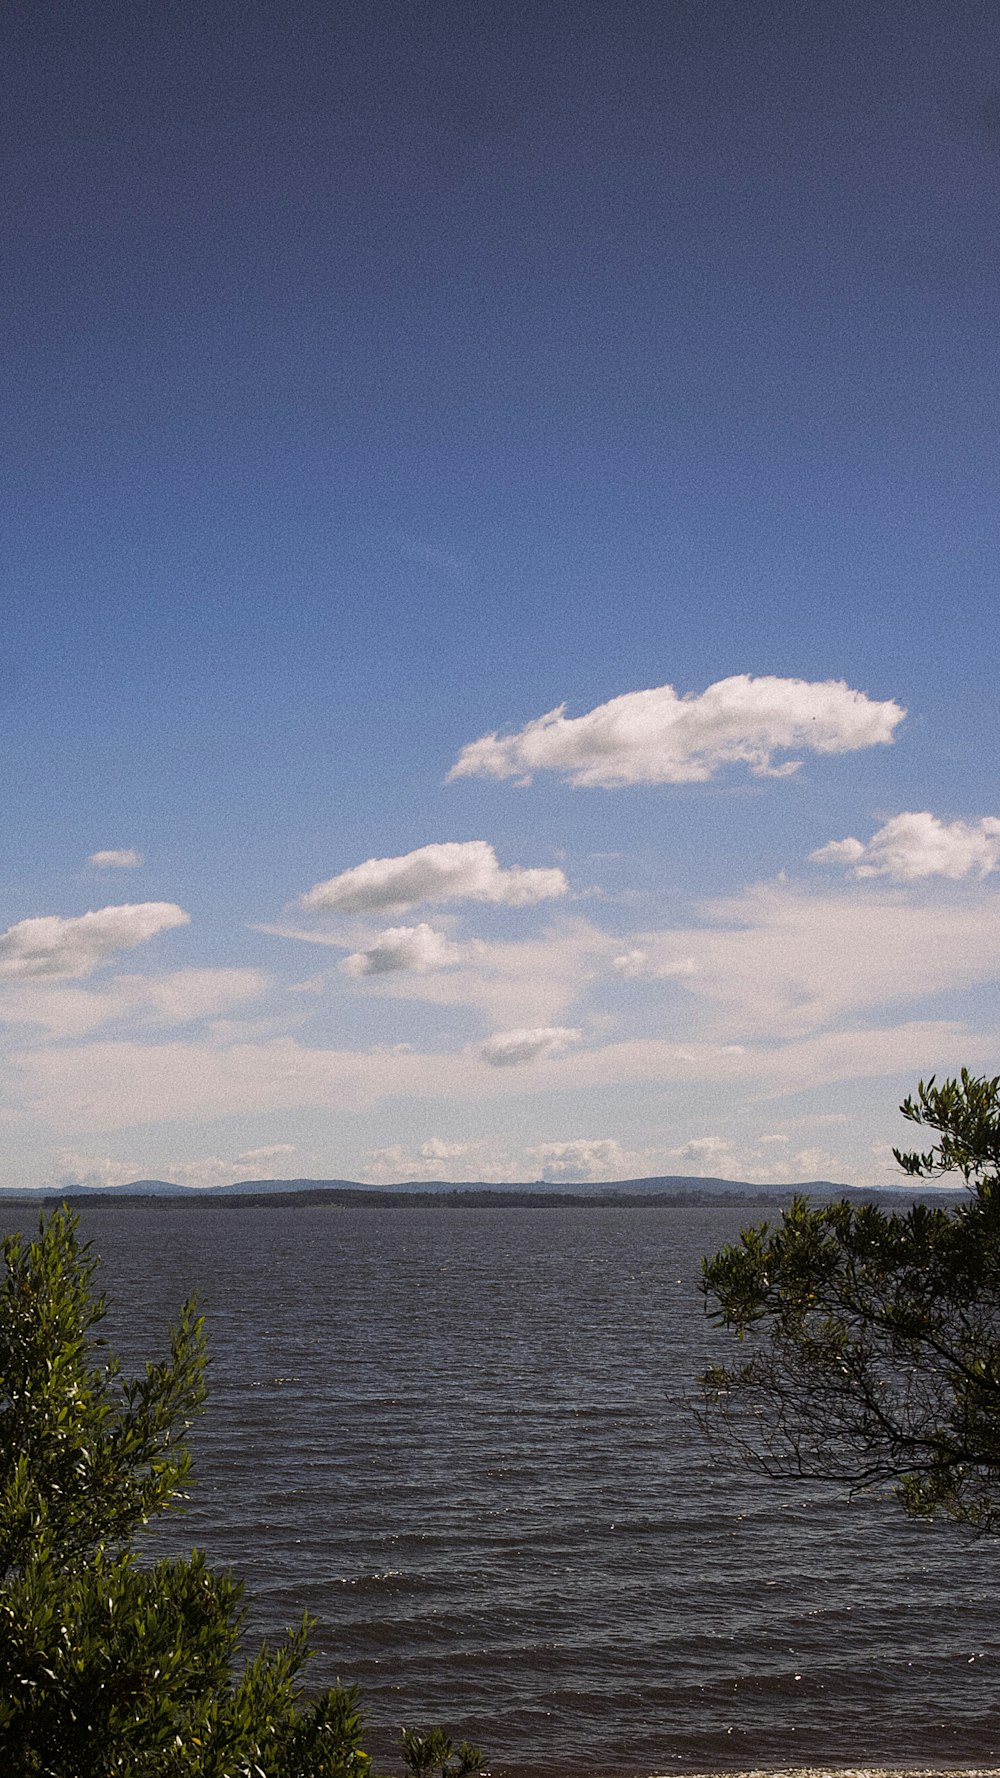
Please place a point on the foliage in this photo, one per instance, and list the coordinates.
(111, 1667)
(433, 1752)
(875, 1336)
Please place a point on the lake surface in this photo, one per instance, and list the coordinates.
(462, 1439)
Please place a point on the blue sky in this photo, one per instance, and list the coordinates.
(379, 379)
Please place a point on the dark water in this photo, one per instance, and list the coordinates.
(462, 1440)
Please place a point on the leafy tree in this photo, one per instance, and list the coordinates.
(111, 1667)
(874, 1337)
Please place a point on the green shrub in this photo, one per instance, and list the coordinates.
(111, 1667)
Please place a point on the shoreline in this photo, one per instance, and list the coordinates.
(390, 1768)
(932, 1770)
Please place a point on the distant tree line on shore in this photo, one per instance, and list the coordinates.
(444, 1198)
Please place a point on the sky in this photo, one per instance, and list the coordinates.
(500, 535)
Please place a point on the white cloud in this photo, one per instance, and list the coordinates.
(110, 1083)
(127, 859)
(490, 1163)
(917, 844)
(395, 1165)
(56, 946)
(209, 1170)
(399, 948)
(460, 1163)
(117, 1085)
(520, 982)
(436, 1150)
(215, 1170)
(779, 961)
(768, 1160)
(770, 1157)
(104, 1173)
(505, 1049)
(659, 737)
(586, 1159)
(65, 1010)
(60, 1009)
(332, 940)
(457, 870)
(198, 993)
(703, 1151)
(513, 982)
(596, 1160)
(100, 1172)
(634, 965)
(838, 852)
(767, 1069)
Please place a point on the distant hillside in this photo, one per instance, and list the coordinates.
(159, 1188)
(661, 1190)
(669, 1183)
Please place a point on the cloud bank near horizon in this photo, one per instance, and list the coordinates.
(536, 1025)
(661, 737)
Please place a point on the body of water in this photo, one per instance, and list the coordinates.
(463, 1440)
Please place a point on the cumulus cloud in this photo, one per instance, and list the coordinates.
(659, 737)
(478, 1163)
(490, 1163)
(595, 1160)
(395, 1164)
(436, 1150)
(917, 844)
(100, 1172)
(127, 859)
(770, 1159)
(703, 1151)
(216, 1170)
(505, 1049)
(56, 946)
(838, 852)
(456, 870)
(584, 1159)
(209, 1170)
(416, 948)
